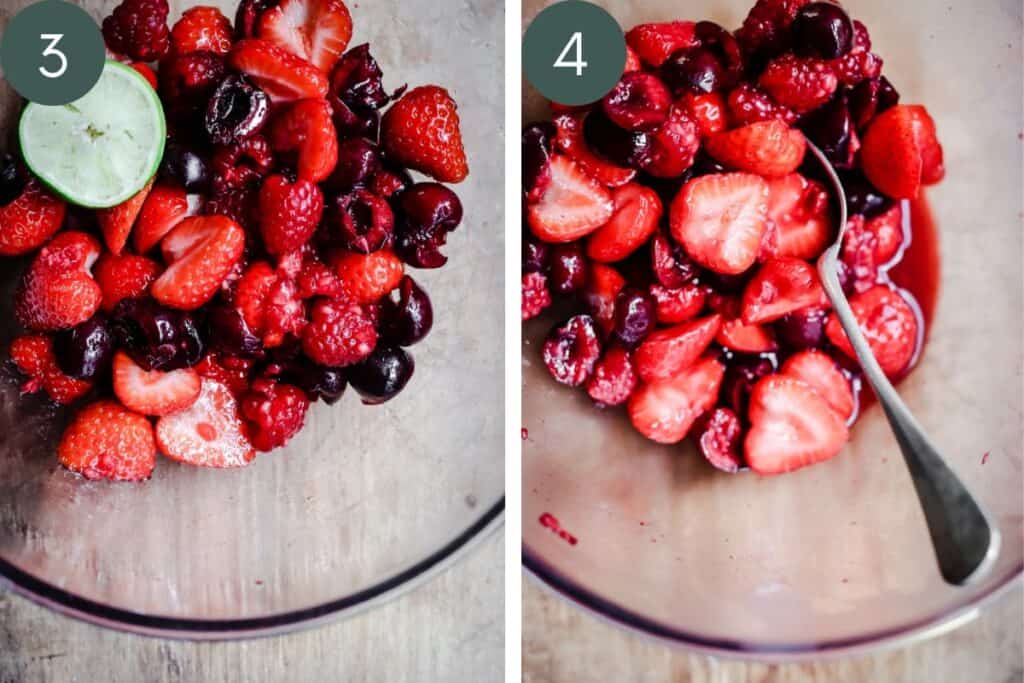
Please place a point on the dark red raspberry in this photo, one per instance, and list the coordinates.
(138, 28)
(340, 333)
(240, 205)
(719, 435)
(185, 83)
(765, 31)
(572, 349)
(364, 220)
(274, 413)
(318, 279)
(230, 370)
(241, 164)
(536, 296)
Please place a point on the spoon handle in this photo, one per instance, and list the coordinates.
(965, 542)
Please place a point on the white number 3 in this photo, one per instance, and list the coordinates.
(51, 49)
(577, 40)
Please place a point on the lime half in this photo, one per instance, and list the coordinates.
(102, 148)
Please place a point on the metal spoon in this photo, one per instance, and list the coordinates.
(966, 543)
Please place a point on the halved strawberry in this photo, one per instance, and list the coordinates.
(279, 73)
(900, 151)
(569, 139)
(888, 323)
(655, 42)
(673, 145)
(305, 128)
(664, 411)
(573, 204)
(768, 148)
(58, 291)
(820, 372)
(117, 221)
(422, 131)
(637, 212)
(368, 278)
(677, 305)
(737, 336)
(152, 392)
(107, 441)
(781, 286)
(791, 426)
(603, 286)
(613, 379)
(665, 353)
(707, 110)
(209, 433)
(29, 220)
(124, 277)
(34, 356)
(720, 218)
(162, 209)
(798, 214)
(200, 251)
(318, 31)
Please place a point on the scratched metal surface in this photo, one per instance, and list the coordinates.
(362, 493)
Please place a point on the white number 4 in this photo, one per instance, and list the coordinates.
(577, 40)
(51, 49)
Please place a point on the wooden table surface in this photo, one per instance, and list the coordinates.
(562, 643)
(452, 629)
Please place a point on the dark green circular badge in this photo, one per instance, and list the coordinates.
(574, 52)
(52, 52)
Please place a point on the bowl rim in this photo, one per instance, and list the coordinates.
(622, 617)
(159, 626)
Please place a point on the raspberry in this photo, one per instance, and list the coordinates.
(232, 371)
(859, 63)
(240, 205)
(317, 279)
(275, 413)
(749, 104)
(270, 304)
(765, 31)
(289, 213)
(185, 83)
(339, 334)
(798, 83)
(201, 28)
(138, 28)
(241, 164)
(33, 354)
(536, 296)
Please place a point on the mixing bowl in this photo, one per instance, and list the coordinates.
(834, 558)
(365, 501)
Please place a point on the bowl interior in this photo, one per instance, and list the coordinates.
(363, 493)
(837, 554)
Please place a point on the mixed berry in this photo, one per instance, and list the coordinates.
(263, 268)
(679, 220)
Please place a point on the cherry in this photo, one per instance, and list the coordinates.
(425, 214)
(568, 268)
(537, 141)
(572, 349)
(364, 220)
(639, 101)
(382, 375)
(358, 160)
(184, 167)
(237, 109)
(408, 320)
(634, 318)
(86, 350)
(620, 146)
(695, 69)
(802, 329)
(822, 30)
(12, 179)
(535, 255)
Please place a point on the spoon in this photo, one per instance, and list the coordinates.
(966, 543)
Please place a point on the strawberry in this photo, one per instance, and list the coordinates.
(368, 278)
(29, 220)
(200, 251)
(818, 370)
(318, 31)
(339, 333)
(289, 213)
(279, 73)
(536, 296)
(146, 72)
(707, 110)
(421, 131)
(736, 336)
(673, 145)
(251, 292)
(770, 148)
(58, 292)
(33, 354)
(655, 42)
(306, 129)
(152, 392)
(664, 411)
(603, 286)
(209, 433)
(887, 322)
(677, 305)
(719, 220)
(637, 211)
(107, 441)
(799, 83)
(117, 221)
(124, 277)
(572, 206)
(900, 151)
(274, 413)
(633, 62)
(613, 378)
(201, 28)
(163, 208)
(780, 286)
(791, 426)
(887, 227)
(719, 436)
(798, 216)
(667, 352)
(569, 140)
(749, 104)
